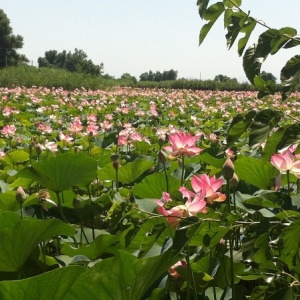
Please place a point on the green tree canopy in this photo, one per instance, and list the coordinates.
(9, 43)
(158, 76)
(73, 62)
(236, 22)
(267, 76)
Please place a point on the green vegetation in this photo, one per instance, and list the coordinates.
(238, 21)
(9, 43)
(73, 62)
(28, 76)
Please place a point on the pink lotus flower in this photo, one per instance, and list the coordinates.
(182, 144)
(190, 208)
(205, 187)
(211, 187)
(8, 130)
(284, 161)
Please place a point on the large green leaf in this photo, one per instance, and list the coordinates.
(283, 137)
(247, 28)
(291, 239)
(18, 241)
(239, 124)
(102, 244)
(251, 63)
(264, 46)
(153, 186)
(211, 14)
(285, 35)
(290, 76)
(18, 156)
(234, 26)
(202, 6)
(51, 285)
(264, 121)
(8, 202)
(256, 172)
(62, 172)
(153, 231)
(127, 173)
(8, 219)
(123, 277)
(130, 172)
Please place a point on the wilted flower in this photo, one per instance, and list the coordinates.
(44, 198)
(172, 270)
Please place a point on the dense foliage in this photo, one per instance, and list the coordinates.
(9, 43)
(236, 22)
(28, 76)
(72, 62)
(158, 76)
(148, 194)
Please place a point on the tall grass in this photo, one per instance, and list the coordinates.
(28, 76)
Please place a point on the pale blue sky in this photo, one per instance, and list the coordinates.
(136, 36)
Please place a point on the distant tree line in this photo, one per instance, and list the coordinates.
(72, 62)
(158, 76)
(78, 62)
(9, 43)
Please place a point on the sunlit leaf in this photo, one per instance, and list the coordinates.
(102, 244)
(51, 285)
(211, 14)
(19, 240)
(18, 156)
(239, 124)
(247, 28)
(290, 76)
(251, 63)
(8, 202)
(256, 172)
(291, 239)
(122, 277)
(264, 121)
(62, 172)
(153, 186)
(202, 6)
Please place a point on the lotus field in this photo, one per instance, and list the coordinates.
(149, 194)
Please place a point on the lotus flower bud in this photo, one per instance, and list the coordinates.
(20, 195)
(162, 157)
(76, 203)
(228, 169)
(39, 148)
(76, 149)
(116, 164)
(161, 142)
(234, 181)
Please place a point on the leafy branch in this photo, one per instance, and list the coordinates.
(237, 21)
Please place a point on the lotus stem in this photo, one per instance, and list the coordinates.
(182, 173)
(60, 208)
(231, 267)
(228, 196)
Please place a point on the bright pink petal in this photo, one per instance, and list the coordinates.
(197, 206)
